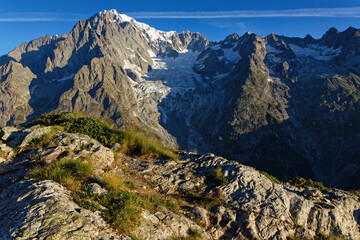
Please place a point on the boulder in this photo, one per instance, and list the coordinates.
(201, 214)
(96, 189)
(43, 210)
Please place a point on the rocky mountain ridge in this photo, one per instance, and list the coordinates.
(244, 98)
(249, 205)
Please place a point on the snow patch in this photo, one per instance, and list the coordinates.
(151, 53)
(271, 53)
(63, 79)
(151, 33)
(270, 49)
(314, 50)
(231, 56)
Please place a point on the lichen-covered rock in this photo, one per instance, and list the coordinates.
(164, 224)
(78, 146)
(201, 214)
(44, 210)
(96, 189)
(2, 160)
(6, 132)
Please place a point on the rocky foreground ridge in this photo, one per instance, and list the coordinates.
(238, 202)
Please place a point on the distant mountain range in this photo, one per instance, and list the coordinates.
(288, 106)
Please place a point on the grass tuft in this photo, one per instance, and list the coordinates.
(173, 206)
(194, 234)
(68, 172)
(112, 181)
(218, 177)
(3, 154)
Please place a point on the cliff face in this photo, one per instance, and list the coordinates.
(285, 105)
(247, 205)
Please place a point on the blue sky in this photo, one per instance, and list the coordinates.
(24, 20)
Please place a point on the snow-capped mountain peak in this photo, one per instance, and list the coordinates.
(116, 16)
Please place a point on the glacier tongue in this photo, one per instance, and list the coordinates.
(176, 73)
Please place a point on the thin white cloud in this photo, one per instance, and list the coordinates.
(353, 12)
(305, 12)
(40, 17)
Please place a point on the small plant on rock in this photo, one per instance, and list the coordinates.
(270, 177)
(304, 183)
(218, 177)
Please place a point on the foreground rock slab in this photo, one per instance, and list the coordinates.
(44, 210)
(257, 208)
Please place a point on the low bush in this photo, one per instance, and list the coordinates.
(123, 209)
(3, 154)
(356, 193)
(132, 142)
(207, 200)
(270, 177)
(304, 183)
(194, 234)
(218, 177)
(173, 206)
(323, 236)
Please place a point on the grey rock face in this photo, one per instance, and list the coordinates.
(43, 210)
(201, 213)
(164, 224)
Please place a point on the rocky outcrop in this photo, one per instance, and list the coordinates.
(46, 209)
(257, 208)
(164, 224)
(43, 210)
(247, 205)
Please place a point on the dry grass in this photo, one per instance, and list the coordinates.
(3, 154)
(113, 181)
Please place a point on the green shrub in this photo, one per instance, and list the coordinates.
(218, 177)
(194, 234)
(319, 236)
(123, 209)
(173, 206)
(3, 154)
(206, 200)
(132, 142)
(356, 193)
(270, 177)
(304, 183)
(323, 236)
